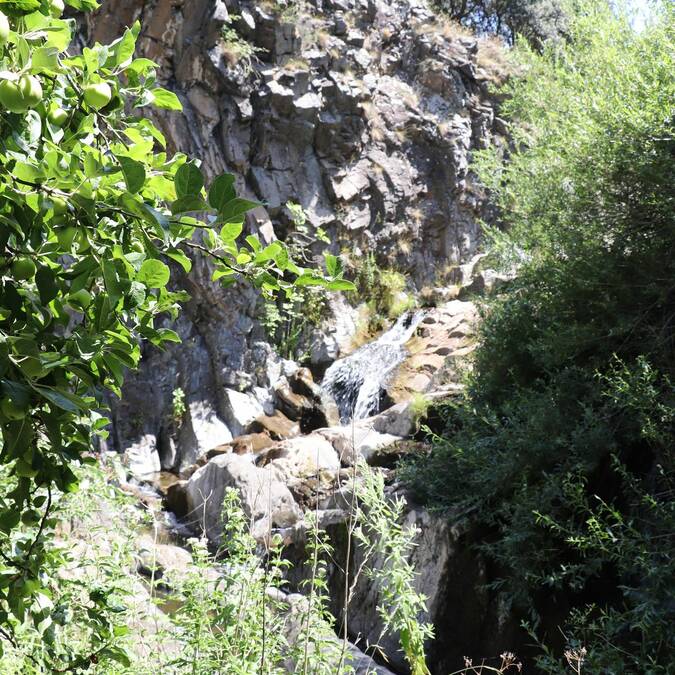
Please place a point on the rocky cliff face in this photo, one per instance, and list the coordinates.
(365, 112)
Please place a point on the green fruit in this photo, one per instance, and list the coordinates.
(80, 299)
(31, 89)
(66, 236)
(56, 8)
(97, 95)
(23, 268)
(10, 410)
(18, 96)
(58, 117)
(4, 30)
(83, 244)
(60, 206)
(11, 98)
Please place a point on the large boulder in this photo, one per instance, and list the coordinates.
(265, 499)
(301, 458)
(465, 613)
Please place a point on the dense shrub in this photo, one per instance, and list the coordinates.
(563, 447)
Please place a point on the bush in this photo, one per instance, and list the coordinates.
(563, 448)
(536, 20)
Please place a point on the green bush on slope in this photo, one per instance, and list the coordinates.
(564, 444)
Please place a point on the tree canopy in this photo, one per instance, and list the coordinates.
(535, 20)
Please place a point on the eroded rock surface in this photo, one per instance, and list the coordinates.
(365, 112)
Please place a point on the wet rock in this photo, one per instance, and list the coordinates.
(142, 457)
(302, 382)
(307, 410)
(278, 426)
(265, 499)
(158, 560)
(175, 499)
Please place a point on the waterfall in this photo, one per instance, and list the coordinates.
(357, 382)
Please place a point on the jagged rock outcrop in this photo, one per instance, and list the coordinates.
(365, 112)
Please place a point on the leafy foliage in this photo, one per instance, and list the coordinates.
(535, 20)
(92, 212)
(290, 317)
(385, 290)
(564, 446)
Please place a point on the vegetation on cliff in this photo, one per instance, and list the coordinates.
(563, 448)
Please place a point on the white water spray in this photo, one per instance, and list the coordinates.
(357, 383)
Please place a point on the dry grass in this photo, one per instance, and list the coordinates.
(494, 59)
(323, 38)
(377, 134)
(442, 27)
(296, 63)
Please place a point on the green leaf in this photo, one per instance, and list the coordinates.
(188, 203)
(124, 49)
(45, 59)
(166, 100)
(83, 4)
(45, 280)
(282, 258)
(230, 231)
(19, 393)
(222, 191)
(61, 399)
(333, 265)
(19, 7)
(269, 252)
(235, 209)
(134, 173)
(112, 283)
(254, 242)
(309, 280)
(181, 259)
(141, 66)
(340, 285)
(188, 180)
(168, 335)
(154, 274)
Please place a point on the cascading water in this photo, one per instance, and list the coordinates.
(357, 382)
